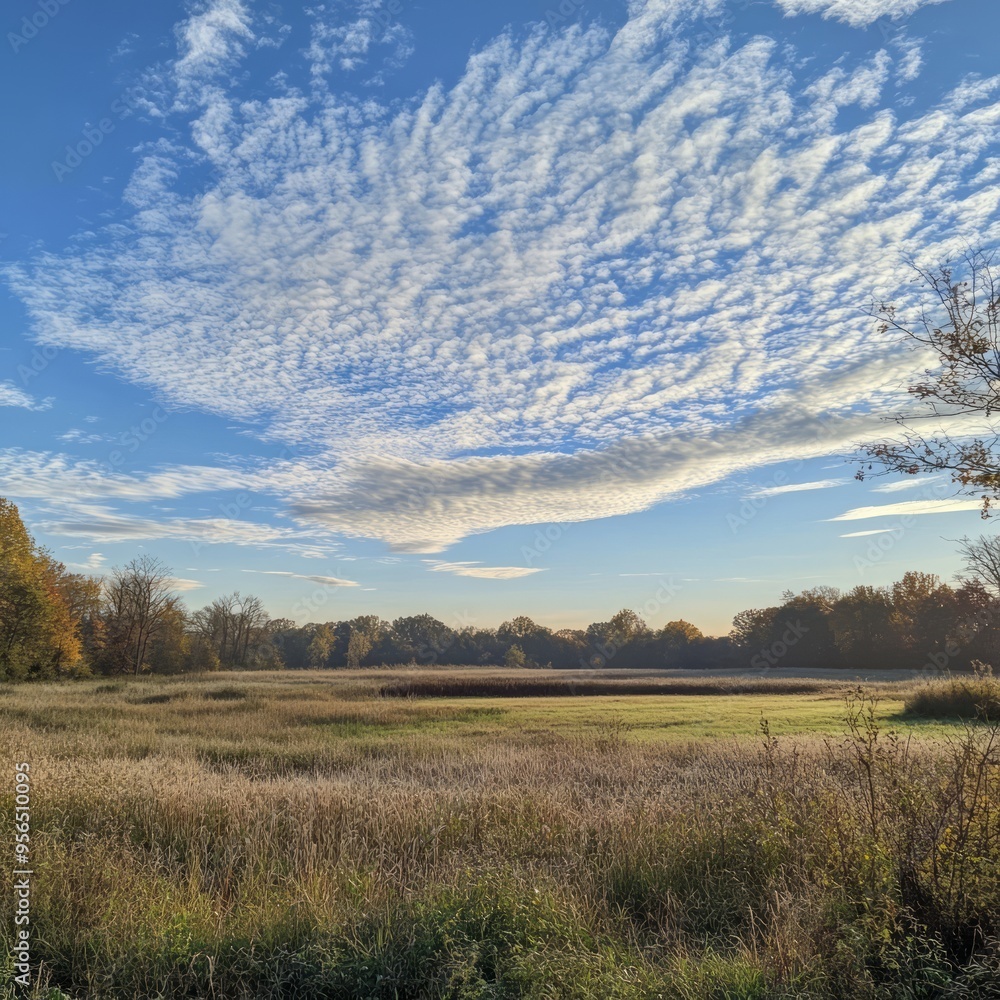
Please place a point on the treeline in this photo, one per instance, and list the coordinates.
(56, 624)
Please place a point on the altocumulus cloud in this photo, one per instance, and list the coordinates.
(13, 395)
(567, 287)
(857, 13)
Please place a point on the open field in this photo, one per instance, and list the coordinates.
(484, 834)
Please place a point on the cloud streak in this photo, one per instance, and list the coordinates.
(910, 508)
(820, 484)
(479, 572)
(326, 581)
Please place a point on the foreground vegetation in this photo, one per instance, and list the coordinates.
(319, 835)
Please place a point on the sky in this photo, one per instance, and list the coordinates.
(545, 308)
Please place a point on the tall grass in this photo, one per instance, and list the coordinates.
(294, 842)
(966, 696)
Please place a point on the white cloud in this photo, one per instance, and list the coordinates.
(11, 395)
(910, 508)
(820, 484)
(52, 476)
(103, 523)
(326, 581)
(425, 507)
(865, 534)
(179, 583)
(77, 436)
(480, 572)
(857, 13)
(586, 277)
(95, 561)
(910, 483)
(211, 41)
(911, 62)
(344, 36)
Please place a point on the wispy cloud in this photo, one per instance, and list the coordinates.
(820, 484)
(905, 484)
(481, 572)
(326, 581)
(95, 561)
(98, 523)
(910, 508)
(179, 583)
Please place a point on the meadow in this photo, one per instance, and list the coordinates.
(474, 834)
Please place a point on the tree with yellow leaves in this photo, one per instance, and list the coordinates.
(38, 631)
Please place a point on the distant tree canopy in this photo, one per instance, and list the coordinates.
(236, 630)
(59, 624)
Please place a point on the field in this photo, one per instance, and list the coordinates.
(477, 834)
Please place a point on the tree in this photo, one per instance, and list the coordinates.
(754, 628)
(82, 595)
(679, 633)
(170, 653)
(421, 637)
(365, 634)
(962, 335)
(139, 608)
(923, 613)
(982, 561)
(323, 641)
(624, 626)
(514, 657)
(534, 641)
(673, 643)
(38, 632)
(862, 623)
(239, 630)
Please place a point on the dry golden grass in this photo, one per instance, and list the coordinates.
(298, 835)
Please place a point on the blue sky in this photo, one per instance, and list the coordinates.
(482, 309)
